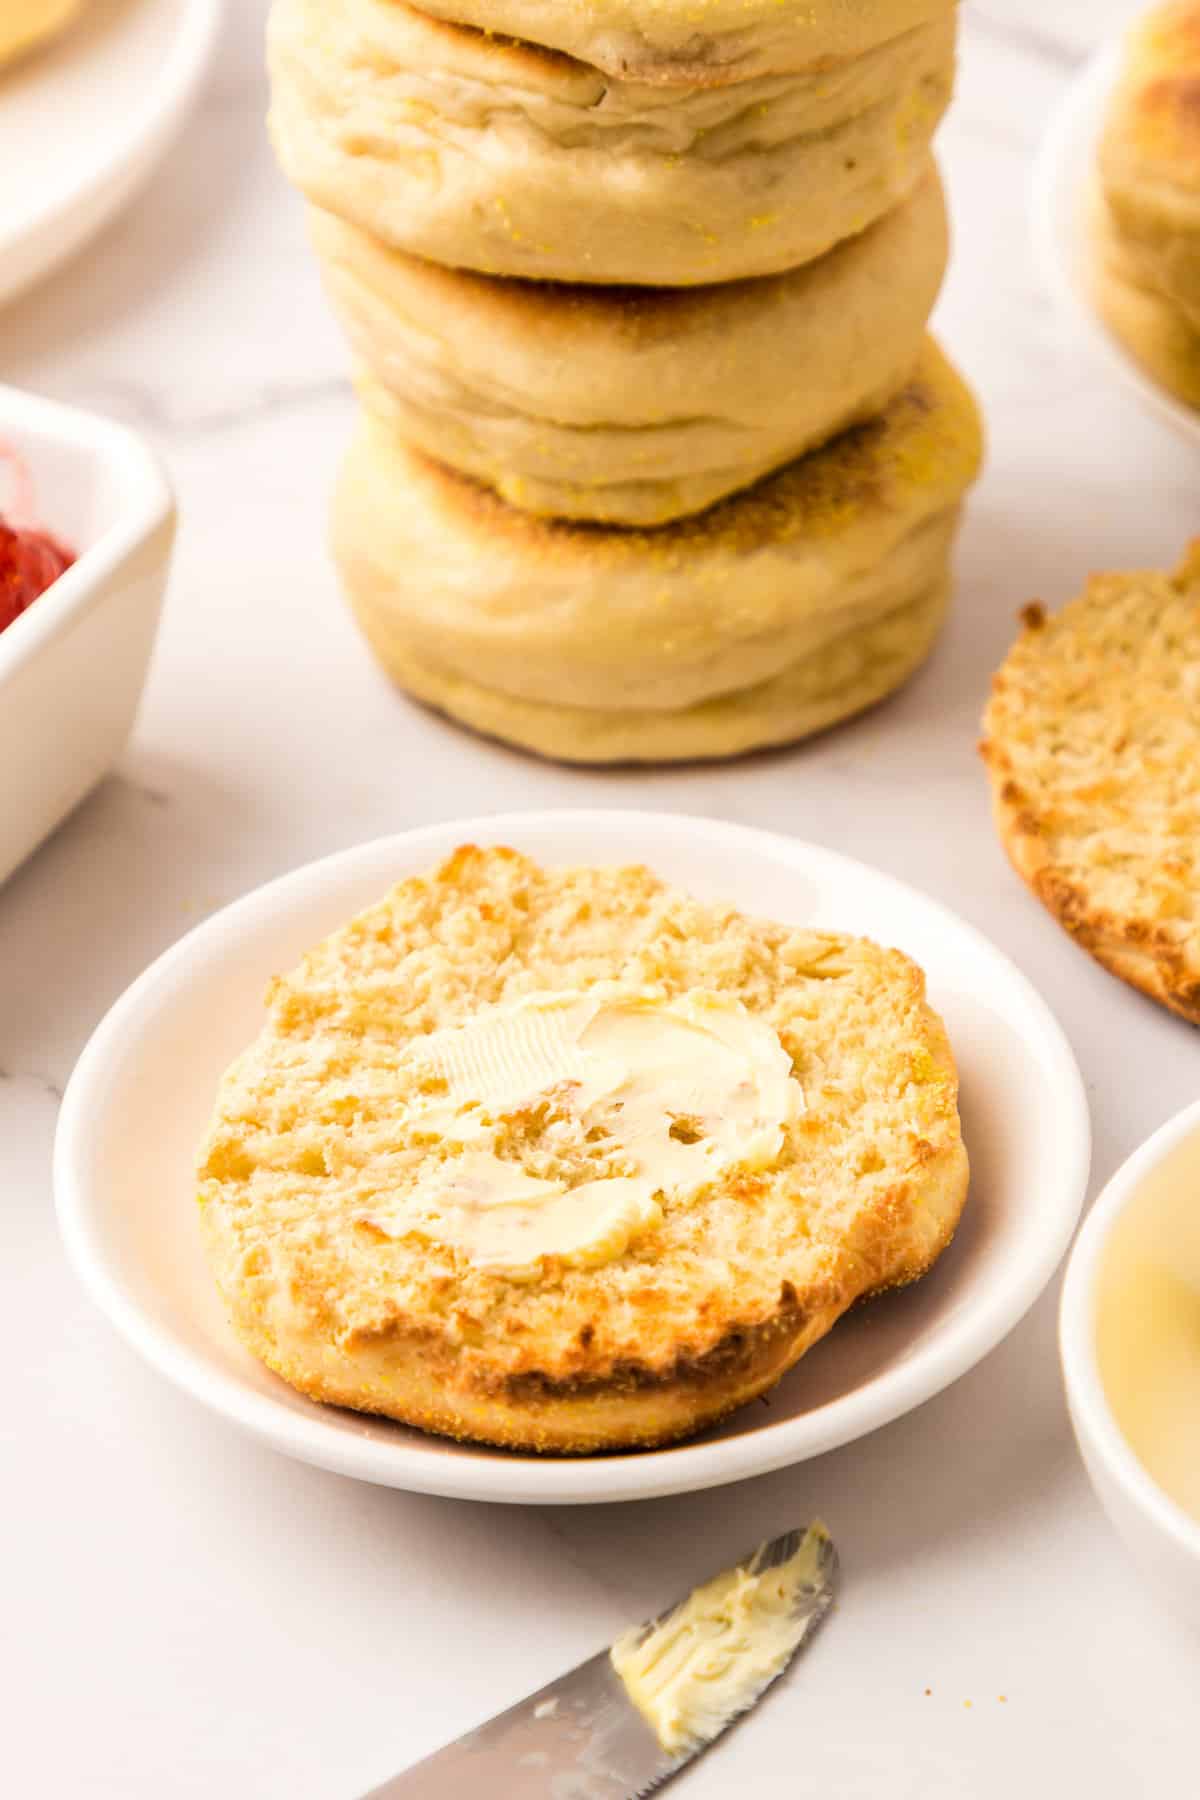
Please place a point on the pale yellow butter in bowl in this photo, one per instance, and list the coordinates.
(1130, 1340)
(1148, 1333)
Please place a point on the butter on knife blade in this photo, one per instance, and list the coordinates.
(620, 1725)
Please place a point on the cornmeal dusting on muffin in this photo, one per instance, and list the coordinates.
(558, 1125)
(26, 24)
(475, 151)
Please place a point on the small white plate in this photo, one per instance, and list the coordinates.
(140, 1098)
(84, 120)
(1062, 183)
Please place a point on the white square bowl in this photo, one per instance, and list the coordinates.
(72, 666)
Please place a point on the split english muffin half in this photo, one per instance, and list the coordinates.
(635, 406)
(566, 1160)
(482, 153)
(774, 613)
(1092, 742)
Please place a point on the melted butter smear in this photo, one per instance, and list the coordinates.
(692, 1673)
(675, 1092)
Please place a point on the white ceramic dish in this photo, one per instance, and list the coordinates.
(1164, 1540)
(84, 120)
(141, 1094)
(1063, 177)
(73, 665)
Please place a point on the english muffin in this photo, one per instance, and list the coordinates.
(1160, 333)
(566, 1160)
(482, 153)
(635, 406)
(782, 609)
(1092, 741)
(680, 43)
(851, 671)
(1148, 225)
(24, 24)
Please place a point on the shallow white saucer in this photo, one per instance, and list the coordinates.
(84, 120)
(1062, 184)
(139, 1100)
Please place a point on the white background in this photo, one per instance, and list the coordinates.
(187, 1615)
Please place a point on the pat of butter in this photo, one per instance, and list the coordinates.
(694, 1671)
(569, 1117)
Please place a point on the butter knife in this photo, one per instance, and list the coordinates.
(581, 1737)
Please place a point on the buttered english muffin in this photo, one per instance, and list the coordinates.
(1148, 212)
(635, 406)
(567, 1160)
(483, 153)
(1092, 741)
(24, 24)
(773, 614)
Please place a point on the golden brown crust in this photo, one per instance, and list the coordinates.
(30, 24)
(631, 1407)
(471, 151)
(1092, 743)
(1146, 958)
(1155, 118)
(634, 406)
(836, 681)
(699, 1313)
(774, 614)
(1148, 221)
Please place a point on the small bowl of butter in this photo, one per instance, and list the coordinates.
(1129, 1334)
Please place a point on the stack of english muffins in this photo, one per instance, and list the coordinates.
(655, 460)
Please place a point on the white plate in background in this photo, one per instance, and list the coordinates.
(84, 119)
(1062, 185)
(140, 1098)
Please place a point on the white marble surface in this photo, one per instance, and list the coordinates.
(188, 1615)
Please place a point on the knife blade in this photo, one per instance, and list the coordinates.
(581, 1737)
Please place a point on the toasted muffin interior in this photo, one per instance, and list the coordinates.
(1092, 740)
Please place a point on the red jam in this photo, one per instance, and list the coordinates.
(30, 562)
